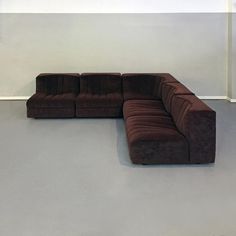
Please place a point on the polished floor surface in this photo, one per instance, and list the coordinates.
(73, 177)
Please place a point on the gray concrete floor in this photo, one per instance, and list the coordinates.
(73, 177)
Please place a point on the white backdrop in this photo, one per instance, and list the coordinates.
(215, 46)
(112, 6)
(190, 46)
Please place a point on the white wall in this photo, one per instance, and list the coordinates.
(190, 46)
(233, 5)
(233, 57)
(231, 70)
(111, 6)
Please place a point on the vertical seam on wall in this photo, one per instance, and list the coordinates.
(229, 48)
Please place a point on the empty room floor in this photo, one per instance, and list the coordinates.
(72, 177)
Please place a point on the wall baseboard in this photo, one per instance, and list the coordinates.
(217, 98)
(213, 97)
(14, 98)
(24, 98)
(231, 99)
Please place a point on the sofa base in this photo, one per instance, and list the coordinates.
(151, 153)
(52, 112)
(138, 161)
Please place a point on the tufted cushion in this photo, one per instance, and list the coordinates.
(100, 83)
(140, 86)
(143, 108)
(165, 78)
(52, 83)
(197, 122)
(99, 112)
(52, 112)
(44, 100)
(95, 100)
(155, 140)
(171, 89)
(42, 105)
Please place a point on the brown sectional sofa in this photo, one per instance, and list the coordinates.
(165, 122)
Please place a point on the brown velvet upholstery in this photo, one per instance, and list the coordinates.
(165, 122)
(197, 122)
(100, 83)
(143, 108)
(101, 112)
(165, 78)
(58, 100)
(100, 95)
(141, 86)
(56, 83)
(102, 101)
(171, 89)
(52, 112)
(155, 140)
(55, 96)
(147, 121)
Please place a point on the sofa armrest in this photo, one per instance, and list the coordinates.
(197, 122)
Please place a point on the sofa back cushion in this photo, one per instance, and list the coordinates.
(140, 86)
(197, 122)
(169, 90)
(165, 78)
(52, 83)
(101, 83)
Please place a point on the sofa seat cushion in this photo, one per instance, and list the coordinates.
(47, 101)
(143, 108)
(102, 101)
(155, 140)
(51, 112)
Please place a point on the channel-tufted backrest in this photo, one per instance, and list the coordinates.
(141, 86)
(171, 89)
(101, 83)
(165, 78)
(197, 122)
(51, 83)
